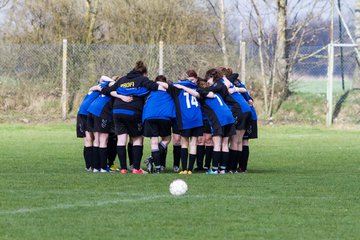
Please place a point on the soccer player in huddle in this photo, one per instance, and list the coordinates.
(188, 117)
(251, 132)
(127, 114)
(158, 113)
(242, 114)
(220, 118)
(91, 151)
(205, 144)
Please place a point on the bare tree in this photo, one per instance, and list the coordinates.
(3, 3)
(91, 13)
(279, 44)
(222, 24)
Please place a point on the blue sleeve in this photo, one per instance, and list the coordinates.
(245, 94)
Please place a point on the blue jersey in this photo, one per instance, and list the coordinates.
(240, 100)
(159, 105)
(101, 107)
(89, 98)
(247, 98)
(216, 110)
(188, 111)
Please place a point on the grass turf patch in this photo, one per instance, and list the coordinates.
(302, 183)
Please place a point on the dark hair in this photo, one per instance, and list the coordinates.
(225, 71)
(140, 67)
(201, 83)
(191, 73)
(160, 78)
(213, 73)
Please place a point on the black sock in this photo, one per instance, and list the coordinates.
(96, 157)
(216, 160)
(224, 160)
(208, 155)
(176, 155)
(137, 155)
(240, 160)
(88, 153)
(111, 146)
(245, 156)
(184, 158)
(121, 151)
(156, 157)
(232, 160)
(200, 152)
(192, 159)
(130, 153)
(103, 157)
(163, 152)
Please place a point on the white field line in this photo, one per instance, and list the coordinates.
(76, 205)
(136, 198)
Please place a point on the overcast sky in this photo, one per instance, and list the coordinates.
(234, 16)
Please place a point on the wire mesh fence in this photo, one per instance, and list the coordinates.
(32, 65)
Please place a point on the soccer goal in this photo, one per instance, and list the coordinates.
(343, 63)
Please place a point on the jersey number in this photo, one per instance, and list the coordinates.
(220, 102)
(189, 102)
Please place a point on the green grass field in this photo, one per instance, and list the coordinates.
(303, 183)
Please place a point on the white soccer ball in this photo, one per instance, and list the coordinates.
(178, 187)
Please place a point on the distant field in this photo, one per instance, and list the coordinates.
(309, 84)
(303, 183)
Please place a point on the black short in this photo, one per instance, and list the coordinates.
(192, 132)
(157, 128)
(225, 131)
(175, 128)
(242, 120)
(81, 125)
(98, 124)
(207, 127)
(128, 124)
(252, 131)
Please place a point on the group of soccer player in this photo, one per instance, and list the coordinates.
(211, 117)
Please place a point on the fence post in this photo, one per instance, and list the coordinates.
(243, 59)
(64, 92)
(329, 89)
(161, 58)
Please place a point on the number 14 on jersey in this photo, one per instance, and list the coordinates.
(190, 100)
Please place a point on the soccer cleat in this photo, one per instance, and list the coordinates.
(140, 171)
(189, 172)
(239, 170)
(96, 170)
(124, 171)
(183, 172)
(114, 168)
(88, 169)
(212, 172)
(103, 170)
(162, 169)
(157, 171)
(222, 172)
(176, 169)
(149, 164)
